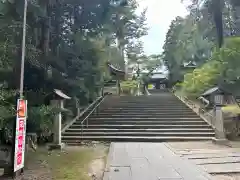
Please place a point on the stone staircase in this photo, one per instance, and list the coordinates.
(155, 118)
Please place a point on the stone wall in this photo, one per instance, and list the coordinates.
(232, 127)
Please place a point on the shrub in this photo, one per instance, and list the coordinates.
(223, 69)
(232, 109)
(129, 87)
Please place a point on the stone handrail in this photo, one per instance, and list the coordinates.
(204, 100)
(205, 115)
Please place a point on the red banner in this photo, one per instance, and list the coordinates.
(20, 135)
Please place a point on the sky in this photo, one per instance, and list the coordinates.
(160, 13)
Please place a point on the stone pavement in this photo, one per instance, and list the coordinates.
(149, 161)
(223, 162)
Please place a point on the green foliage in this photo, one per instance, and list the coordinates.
(202, 78)
(222, 69)
(193, 38)
(144, 65)
(40, 118)
(232, 109)
(7, 108)
(66, 49)
(129, 87)
(185, 42)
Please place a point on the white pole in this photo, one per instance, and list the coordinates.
(14, 174)
(23, 49)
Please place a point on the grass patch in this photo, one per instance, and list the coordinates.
(68, 165)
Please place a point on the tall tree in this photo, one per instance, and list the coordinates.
(68, 45)
(224, 14)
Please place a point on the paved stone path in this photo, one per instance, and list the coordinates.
(223, 162)
(149, 161)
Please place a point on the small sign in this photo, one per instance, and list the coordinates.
(20, 134)
(151, 86)
(162, 86)
(21, 112)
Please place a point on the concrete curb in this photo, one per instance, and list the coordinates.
(109, 157)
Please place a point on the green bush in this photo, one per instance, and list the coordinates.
(7, 109)
(232, 109)
(40, 119)
(223, 69)
(129, 87)
(202, 78)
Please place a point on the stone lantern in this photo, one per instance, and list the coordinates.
(216, 97)
(57, 101)
(220, 136)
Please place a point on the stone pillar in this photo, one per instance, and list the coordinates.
(78, 111)
(138, 88)
(118, 87)
(102, 91)
(220, 137)
(77, 106)
(57, 125)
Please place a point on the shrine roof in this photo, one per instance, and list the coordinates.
(214, 90)
(61, 94)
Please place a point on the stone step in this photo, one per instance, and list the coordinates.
(161, 134)
(144, 121)
(148, 108)
(156, 118)
(189, 130)
(93, 122)
(147, 119)
(78, 139)
(126, 98)
(155, 115)
(150, 101)
(144, 114)
(140, 126)
(144, 103)
(150, 111)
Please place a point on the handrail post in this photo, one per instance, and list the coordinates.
(82, 130)
(212, 122)
(94, 110)
(97, 110)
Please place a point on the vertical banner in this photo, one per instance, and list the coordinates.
(20, 134)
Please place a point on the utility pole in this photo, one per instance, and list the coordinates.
(17, 167)
(23, 49)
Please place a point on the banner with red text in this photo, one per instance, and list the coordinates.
(20, 134)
